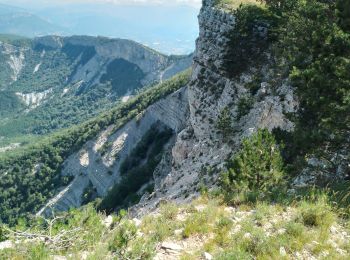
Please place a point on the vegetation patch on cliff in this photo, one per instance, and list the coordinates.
(137, 169)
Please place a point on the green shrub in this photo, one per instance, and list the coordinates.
(38, 251)
(88, 194)
(224, 123)
(233, 254)
(343, 12)
(244, 106)
(135, 171)
(318, 214)
(258, 166)
(247, 45)
(318, 65)
(125, 232)
(294, 229)
(279, 6)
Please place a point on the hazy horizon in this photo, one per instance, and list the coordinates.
(168, 26)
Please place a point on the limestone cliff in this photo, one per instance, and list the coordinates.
(152, 63)
(198, 152)
(201, 149)
(91, 166)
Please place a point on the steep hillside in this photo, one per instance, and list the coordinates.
(86, 153)
(247, 159)
(52, 82)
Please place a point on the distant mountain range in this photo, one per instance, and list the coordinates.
(53, 82)
(18, 21)
(153, 25)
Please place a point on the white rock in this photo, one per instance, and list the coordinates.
(236, 229)
(178, 232)
(84, 255)
(137, 222)
(6, 245)
(230, 210)
(108, 222)
(340, 251)
(139, 234)
(59, 257)
(324, 253)
(281, 231)
(200, 208)
(207, 256)
(283, 251)
(247, 236)
(171, 246)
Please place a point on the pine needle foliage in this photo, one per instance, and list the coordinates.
(257, 167)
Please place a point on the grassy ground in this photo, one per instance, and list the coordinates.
(300, 229)
(234, 4)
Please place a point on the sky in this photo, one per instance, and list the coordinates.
(194, 3)
(169, 26)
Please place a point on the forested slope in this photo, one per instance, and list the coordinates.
(50, 83)
(30, 176)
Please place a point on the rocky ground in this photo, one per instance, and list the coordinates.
(206, 229)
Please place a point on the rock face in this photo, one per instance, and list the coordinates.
(14, 59)
(200, 149)
(197, 154)
(32, 100)
(90, 167)
(154, 65)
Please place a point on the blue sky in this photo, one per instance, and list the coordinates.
(169, 26)
(194, 3)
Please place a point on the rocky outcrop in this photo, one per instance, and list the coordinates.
(200, 150)
(32, 100)
(155, 66)
(333, 167)
(91, 166)
(14, 57)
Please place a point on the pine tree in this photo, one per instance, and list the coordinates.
(257, 167)
(224, 123)
(343, 12)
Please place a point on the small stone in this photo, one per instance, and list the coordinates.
(283, 251)
(298, 255)
(207, 256)
(108, 221)
(341, 251)
(137, 222)
(281, 231)
(200, 208)
(324, 253)
(236, 229)
(178, 232)
(332, 243)
(84, 255)
(6, 245)
(247, 236)
(229, 210)
(171, 246)
(333, 229)
(59, 257)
